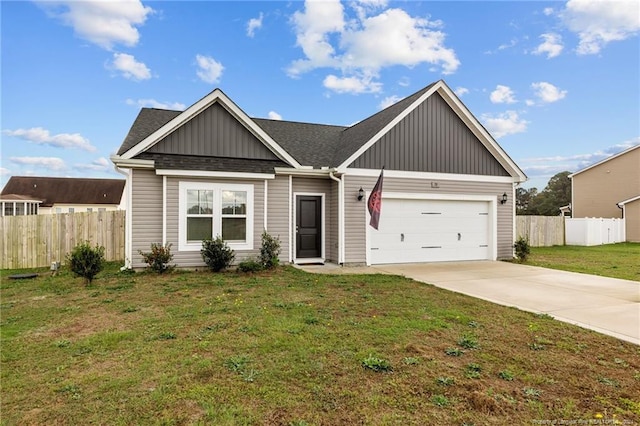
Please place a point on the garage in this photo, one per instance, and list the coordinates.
(419, 230)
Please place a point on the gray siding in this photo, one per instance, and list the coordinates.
(146, 213)
(193, 259)
(323, 186)
(355, 214)
(432, 138)
(277, 213)
(214, 132)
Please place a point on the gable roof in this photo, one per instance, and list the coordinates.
(626, 151)
(304, 145)
(217, 96)
(54, 190)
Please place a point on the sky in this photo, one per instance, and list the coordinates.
(557, 83)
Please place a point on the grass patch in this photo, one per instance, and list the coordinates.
(609, 260)
(286, 347)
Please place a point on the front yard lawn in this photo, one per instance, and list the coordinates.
(292, 348)
(610, 260)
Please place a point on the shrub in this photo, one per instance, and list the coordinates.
(269, 251)
(522, 249)
(86, 261)
(217, 254)
(250, 265)
(158, 258)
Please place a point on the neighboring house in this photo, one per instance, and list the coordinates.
(60, 195)
(610, 189)
(211, 170)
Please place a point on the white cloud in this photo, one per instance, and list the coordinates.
(99, 165)
(274, 115)
(461, 91)
(4, 171)
(152, 103)
(548, 11)
(41, 136)
(209, 70)
(253, 25)
(363, 44)
(547, 92)
(404, 82)
(50, 163)
(599, 22)
(507, 123)
(388, 101)
(502, 95)
(353, 85)
(551, 46)
(104, 23)
(130, 68)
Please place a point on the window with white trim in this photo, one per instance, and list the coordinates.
(207, 210)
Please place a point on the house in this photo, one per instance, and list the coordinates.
(610, 189)
(46, 195)
(448, 191)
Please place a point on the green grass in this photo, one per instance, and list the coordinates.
(609, 260)
(291, 348)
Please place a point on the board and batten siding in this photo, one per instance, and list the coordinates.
(321, 186)
(278, 213)
(355, 211)
(214, 132)
(193, 259)
(432, 138)
(146, 213)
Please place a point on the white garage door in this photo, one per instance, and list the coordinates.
(430, 231)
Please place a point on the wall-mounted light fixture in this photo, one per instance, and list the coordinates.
(504, 198)
(360, 194)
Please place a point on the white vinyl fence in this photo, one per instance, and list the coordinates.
(592, 231)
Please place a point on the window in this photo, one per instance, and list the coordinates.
(211, 209)
(58, 209)
(72, 210)
(89, 209)
(102, 209)
(8, 209)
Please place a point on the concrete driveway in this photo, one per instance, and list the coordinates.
(607, 305)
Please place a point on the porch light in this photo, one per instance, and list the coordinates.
(504, 198)
(360, 194)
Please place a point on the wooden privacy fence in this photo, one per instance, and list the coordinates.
(38, 240)
(541, 231)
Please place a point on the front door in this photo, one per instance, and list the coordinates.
(308, 226)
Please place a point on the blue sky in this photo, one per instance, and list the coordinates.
(557, 83)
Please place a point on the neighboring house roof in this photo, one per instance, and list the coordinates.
(630, 200)
(15, 197)
(626, 151)
(297, 144)
(54, 190)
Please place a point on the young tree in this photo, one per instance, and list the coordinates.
(556, 194)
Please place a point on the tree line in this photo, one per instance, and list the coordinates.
(556, 194)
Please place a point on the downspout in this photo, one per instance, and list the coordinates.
(340, 217)
(128, 218)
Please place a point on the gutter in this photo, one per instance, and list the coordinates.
(340, 215)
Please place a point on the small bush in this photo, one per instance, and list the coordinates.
(269, 251)
(86, 261)
(522, 249)
(158, 258)
(217, 254)
(250, 265)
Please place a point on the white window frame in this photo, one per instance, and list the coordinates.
(217, 188)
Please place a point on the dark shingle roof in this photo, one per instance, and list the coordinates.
(148, 121)
(316, 145)
(310, 144)
(219, 164)
(53, 190)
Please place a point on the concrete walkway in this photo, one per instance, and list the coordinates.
(607, 305)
